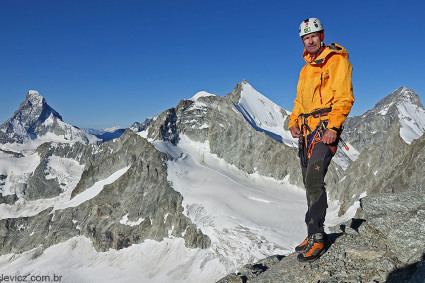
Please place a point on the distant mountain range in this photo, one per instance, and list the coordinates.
(106, 134)
(191, 194)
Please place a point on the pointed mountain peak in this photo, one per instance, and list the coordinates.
(405, 92)
(35, 107)
(34, 119)
(245, 82)
(235, 95)
(410, 96)
(33, 93)
(402, 107)
(262, 113)
(401, 95)
(34, 98)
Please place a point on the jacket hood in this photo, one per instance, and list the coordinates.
(331, 49)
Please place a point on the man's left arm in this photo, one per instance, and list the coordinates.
(342, 89)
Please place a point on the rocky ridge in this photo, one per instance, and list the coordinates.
(142, 195)
(216, 120)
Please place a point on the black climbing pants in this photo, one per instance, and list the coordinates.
(314, 171)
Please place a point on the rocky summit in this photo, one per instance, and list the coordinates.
(384, 243)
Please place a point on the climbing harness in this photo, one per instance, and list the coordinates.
(308, 138)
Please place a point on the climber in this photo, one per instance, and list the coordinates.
(323, 101)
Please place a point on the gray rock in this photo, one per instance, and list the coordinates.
(141, 194)
(407, 239)
(365, 174)
(386, 203)
(250, 271)
(361, 252)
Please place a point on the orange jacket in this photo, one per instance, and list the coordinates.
(324, 83)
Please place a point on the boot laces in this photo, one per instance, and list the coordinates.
(309, 244)
(316, 238)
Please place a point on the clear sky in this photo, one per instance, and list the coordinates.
(101, 63)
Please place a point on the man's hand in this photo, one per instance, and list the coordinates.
(329, 137)
(295, 132)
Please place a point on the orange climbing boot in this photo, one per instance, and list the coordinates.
(315, 247)
(301, 246)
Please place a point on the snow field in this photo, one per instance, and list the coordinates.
(90, 192)
(17, 170)
(247, 217)
(150, 261)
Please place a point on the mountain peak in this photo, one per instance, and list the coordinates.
(235, 95)
(245, 82)
(400, 96)
(406, 93)
(34, 98)
(402, 106)
(33, 92)
(34, 119)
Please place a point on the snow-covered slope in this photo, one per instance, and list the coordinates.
(238, 211)
(235, 209)
(412, 116)
(76, 260)
(66, 170)
(262, 113)
(16, 169)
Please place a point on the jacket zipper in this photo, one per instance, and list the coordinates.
(320, 88)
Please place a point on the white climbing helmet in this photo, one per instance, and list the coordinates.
(310, 25)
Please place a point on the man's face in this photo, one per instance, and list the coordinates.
(311, 43)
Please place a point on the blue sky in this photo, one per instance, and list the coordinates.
(106, 63)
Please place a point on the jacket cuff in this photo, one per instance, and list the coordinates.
(290, 125)
(335, 129)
